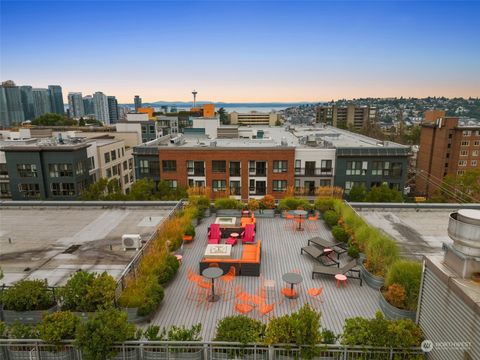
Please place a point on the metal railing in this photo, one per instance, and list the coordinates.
(313, 171)
(149, 350)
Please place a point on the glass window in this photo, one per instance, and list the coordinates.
(3, 169)
(325, 182)
(462, 163)
(460, 172)
(473, 163)
(125, 165)
(109, 173)
(91, 163)
(377, 168)
(169, 165)
(467, 133)
(219, 166)
(279, 185)
(63, 189)
(60, 170)
(144, 167)
(475, 153)
(115, 170)
(113, 155)
(476, 143)
(396, 169)
(235, 187)
(234, 168)
(357, 168)
(326, 165)
(280, 166)
(219, 185)
(81, 168)
(172, 184)
(130, 164)
(463, 152)
(5, 189)
(465, 143)
(123, 151)
(29, 190)
(107, 157)
(27, 170)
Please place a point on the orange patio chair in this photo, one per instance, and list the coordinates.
(315, 294)
(243, 308)
(266, 310)
(227, 281)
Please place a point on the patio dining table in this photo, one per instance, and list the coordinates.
(300, 215)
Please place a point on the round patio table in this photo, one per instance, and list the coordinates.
(292, 279)
(212, 273)
(300, 214)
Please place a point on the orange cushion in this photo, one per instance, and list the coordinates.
(249, 257)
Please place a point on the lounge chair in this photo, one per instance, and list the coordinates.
(248, 236)
(348, 270)
(338, 247)
(319, 255)
(214, 235)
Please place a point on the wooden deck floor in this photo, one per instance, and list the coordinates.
(280, 254)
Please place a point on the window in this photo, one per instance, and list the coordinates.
(357, 168)
(169, 165)
(280, 166)
(125, 165)
(144, 129)
(463, 152)
(151, 128)
(81, 168)
(3, 169)
(235, 187)
(5, 189)
(396, 169)
(462, 163)
(350, 184)
(377, 168)
(234, 168)
(109, 173)
(130, 164)
(63, 189)
(172, 184)
(476, 143)
(125, 179)
(123, 151)
(477, 133)
(467, 133)
(473, 163)
(326, 166)
(29, 190)
(219, 166)
(107, 157)
(325, 183)
(475, 153)
(465, 143)
(27, 170)
(91, 163)
(115, 170)
(144, 168)
(113, 155)
(60, 170)
(460, 172)
(219, 185)
(279, 185)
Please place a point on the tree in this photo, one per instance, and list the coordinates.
(357, 193)
(142, 189)
(383, 193)
(81, 122)
(278, 123)
(463, 188)
(51, 119)
(223, 116)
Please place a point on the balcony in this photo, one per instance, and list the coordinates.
(196, 171)
(313, 171)
(257, 172)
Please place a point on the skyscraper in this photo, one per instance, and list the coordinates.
(88, 106)
(138, 102)
(11, 110)
(56, 99)
(75, 104)
(100, 102)
(41, 102)
(112, 109)
(27, 102)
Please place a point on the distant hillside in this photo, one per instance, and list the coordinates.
(221, 104)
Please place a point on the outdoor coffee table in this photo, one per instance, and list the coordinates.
(212, 273)
(292, 279)
(218, 251)
(341, 279)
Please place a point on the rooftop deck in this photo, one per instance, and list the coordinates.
(280, 254)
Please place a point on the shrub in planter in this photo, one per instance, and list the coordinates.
(240, 328)
(329, 337)
(353, 251)
(100, 332)
(181, 333)
(227, 203)
(144, 293)
(267, 202)
(406, 274)
(88, 292)
(381, 253)
(323, 205)
(331, 218)
(27, 295)
(253, 204)
(166, 268)
(153, 333)
(22, 331)
(396, 295)
(58, 326)
(190, 231)
(291, 203)
(339, 234)
(362, 235)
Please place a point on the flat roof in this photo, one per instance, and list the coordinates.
(52, 242)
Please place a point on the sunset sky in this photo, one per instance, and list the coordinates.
(240, 51)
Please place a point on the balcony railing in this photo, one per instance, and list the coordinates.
(313, 172)
(257, 191)
(196, 171)
(257, 172)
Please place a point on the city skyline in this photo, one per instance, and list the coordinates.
(242, 51)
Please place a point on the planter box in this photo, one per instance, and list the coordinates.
(228, 212)
(22, 354)
(25, 317)
(375, 282)
(393, 313)
(154, 355)
(132, 354)
(57, 355)
(267, 213)
(230, 354)
(198, 354)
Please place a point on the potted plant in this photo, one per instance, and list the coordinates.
(18, 350)
(26, 301)
(339, 234)
(189, 233)
(267, 207)
(55, 328)
(399, 298)
(228, 207)
(88, 292)
(181, 333)
(331, 218)
(240, 328)
(381, 253)
(97, 336)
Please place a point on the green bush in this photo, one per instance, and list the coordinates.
(291, 203)
(362, 235)
(329, 337)
(408, 274)
(153, 333)
(22, 331)
(166, 269)
(240, 328)
(88, 292)
(383, 193)
(339, 234)
(357, 194)
(323, 205)
(190, 230)
(3, 330)
(381, 332)
(144, 293)
(27, 295)
(58, 326)
(227, 203)
(181, 333)
(353, 251)
(381, 253)
(331, 218)
(100, 332)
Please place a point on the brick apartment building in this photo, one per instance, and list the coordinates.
(446, 148)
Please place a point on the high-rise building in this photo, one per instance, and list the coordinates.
(27, 102)
(56, 99)
(100, 102)
(138, 102)
(75, 104)
(112, 109)
(11, 109)
(344, 117)
(88, 105)
(254, 118)
(446, 148)
(41, 102)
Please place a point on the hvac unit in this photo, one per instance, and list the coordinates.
(131, 241)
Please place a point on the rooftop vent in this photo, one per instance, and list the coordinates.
(464, 230)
